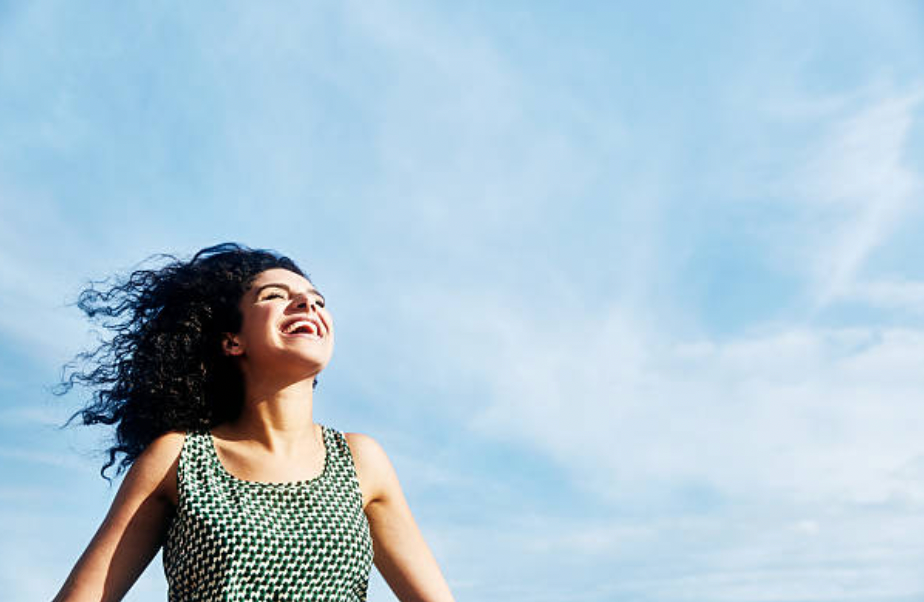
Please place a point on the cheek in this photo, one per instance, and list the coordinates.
(327, 319)
(257, 324)
(330, 325)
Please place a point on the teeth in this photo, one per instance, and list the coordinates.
(301, 324)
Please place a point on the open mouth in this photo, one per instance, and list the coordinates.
(302, 328)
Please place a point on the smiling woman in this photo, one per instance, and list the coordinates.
(209, 379)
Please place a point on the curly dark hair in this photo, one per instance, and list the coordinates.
(163, 368)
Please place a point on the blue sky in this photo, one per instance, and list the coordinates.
(633, 296)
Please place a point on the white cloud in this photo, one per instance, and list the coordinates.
(822, 414)
(796, 413)
(861, 186)
(892, 294)
(794, 442)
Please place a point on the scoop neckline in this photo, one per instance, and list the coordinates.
(278, 484)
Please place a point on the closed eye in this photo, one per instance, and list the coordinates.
(282, 291)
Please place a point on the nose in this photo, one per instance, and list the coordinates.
(302, 302)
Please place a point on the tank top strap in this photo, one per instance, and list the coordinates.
(343, 468)
(194, 465)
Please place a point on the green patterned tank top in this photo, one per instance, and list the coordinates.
(235, 540)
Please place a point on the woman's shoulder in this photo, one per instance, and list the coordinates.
(365, 448)
(373, 467)
(158, 464)
(165, 449)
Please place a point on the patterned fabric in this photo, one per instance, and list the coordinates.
(232, 539)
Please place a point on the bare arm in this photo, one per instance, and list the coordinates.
(133, 530)
(400, 552)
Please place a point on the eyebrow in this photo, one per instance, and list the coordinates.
(287, 288)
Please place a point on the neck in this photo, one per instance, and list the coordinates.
(278, 417)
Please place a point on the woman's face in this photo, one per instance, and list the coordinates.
(285, 327)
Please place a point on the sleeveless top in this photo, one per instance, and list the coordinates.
(235, 540)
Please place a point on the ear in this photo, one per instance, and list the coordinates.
(231, 345)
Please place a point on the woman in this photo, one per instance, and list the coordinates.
(209, 379)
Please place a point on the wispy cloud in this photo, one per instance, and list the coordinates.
(823, 414)
(862, 185)
(797, 432)
(891, 294)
